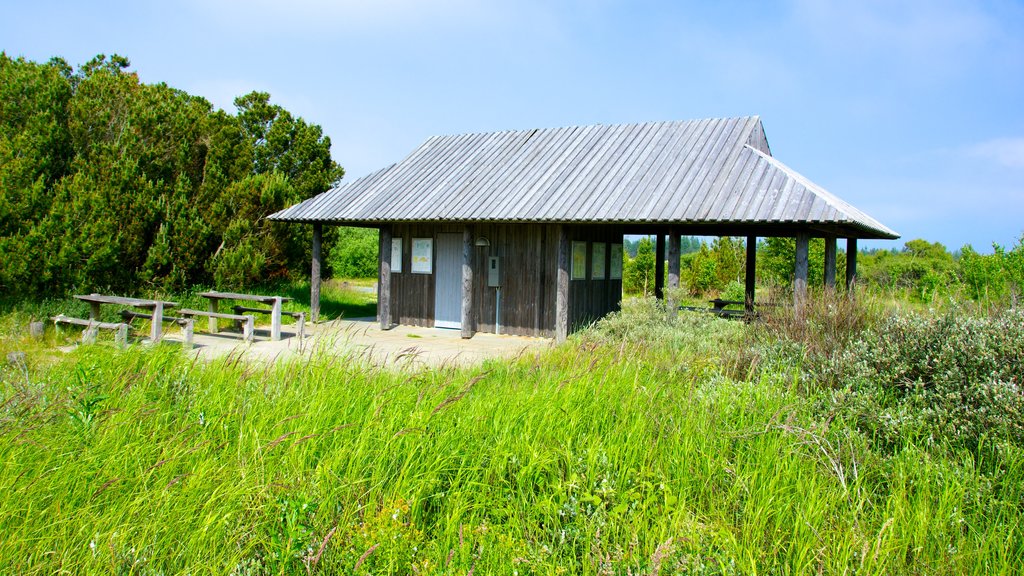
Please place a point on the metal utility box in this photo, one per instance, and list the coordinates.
(493, 272)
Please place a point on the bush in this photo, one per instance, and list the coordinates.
(354, 254)
(701, 275)
(638, 272)
(953, 379)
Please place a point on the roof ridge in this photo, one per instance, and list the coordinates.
(593, 125)
(853, 213)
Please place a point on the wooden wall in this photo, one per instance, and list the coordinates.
(528, 267)
(529, 262)
(412, 295)
(590, 299)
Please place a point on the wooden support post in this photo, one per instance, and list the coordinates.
(562, 287)
(211, 307)
(121, 336)
(188, 330)
(830, 263)
(314, 277)
(800, 274)
(94, 309)
(156, 322)
(249, 328)
(467, 282)
(673, 272)
(659, 267)
(851, 266)
(90, 333)
(384, 279)
(275, 319)
(751, 275)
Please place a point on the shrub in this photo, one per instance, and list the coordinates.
(953, 379)
(354, 254)
(818, 341)
(638, 273)
(701, 275)
(734, 290)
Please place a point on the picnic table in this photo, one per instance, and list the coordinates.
(273, 301)
(718, 306)
(155, 308)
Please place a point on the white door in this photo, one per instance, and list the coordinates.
(448, 282)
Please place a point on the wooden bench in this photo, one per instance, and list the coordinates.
(274, 301)
(157, 307)
(92, 328)
(718, 308)
(248, 321)
(187, 324)
(300, 317)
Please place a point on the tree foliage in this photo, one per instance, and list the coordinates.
(712, 269)
(354, 253)
(922, 270)
(638, 272)
(108, 183)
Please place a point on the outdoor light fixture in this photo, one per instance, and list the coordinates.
(482, 242)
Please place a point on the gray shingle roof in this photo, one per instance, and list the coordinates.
(697, 172)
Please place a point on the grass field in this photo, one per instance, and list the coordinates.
(639, 447)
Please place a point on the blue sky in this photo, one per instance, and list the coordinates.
(911, 110)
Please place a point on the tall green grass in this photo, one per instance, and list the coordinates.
(637, 447)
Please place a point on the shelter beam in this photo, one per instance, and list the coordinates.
(467, 282)
(314, 277)
(673, 270)
(830, 263)
(562, 287)
(659, 267)
(384, 280)
(851, 265)
(800, 274)
(750, 276)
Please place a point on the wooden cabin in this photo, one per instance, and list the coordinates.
(520, 232)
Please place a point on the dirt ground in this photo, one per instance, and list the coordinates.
(403, 347)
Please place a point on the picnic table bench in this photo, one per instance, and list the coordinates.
(273, 301)
(187, 324)
(94, 326)
(248, 321)
(155, 308)
(719, 307)
(300, 317)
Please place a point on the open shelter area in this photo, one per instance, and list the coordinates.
(522, 231)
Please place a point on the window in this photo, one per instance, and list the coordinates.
(422, 255)
(396, 254)
(579, 260)
(615, 272)
(597, 261)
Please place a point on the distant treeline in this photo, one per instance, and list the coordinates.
(687, 245)
(921, 271)
(107, 183)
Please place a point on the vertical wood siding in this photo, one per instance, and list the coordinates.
(529, 261)
(590, 299)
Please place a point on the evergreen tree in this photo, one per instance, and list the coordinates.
(638, 272)
(110, 184)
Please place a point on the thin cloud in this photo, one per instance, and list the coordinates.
(922, 37)
(331, 17)
(1007, 152)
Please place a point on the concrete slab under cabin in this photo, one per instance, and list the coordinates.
(402, 347)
